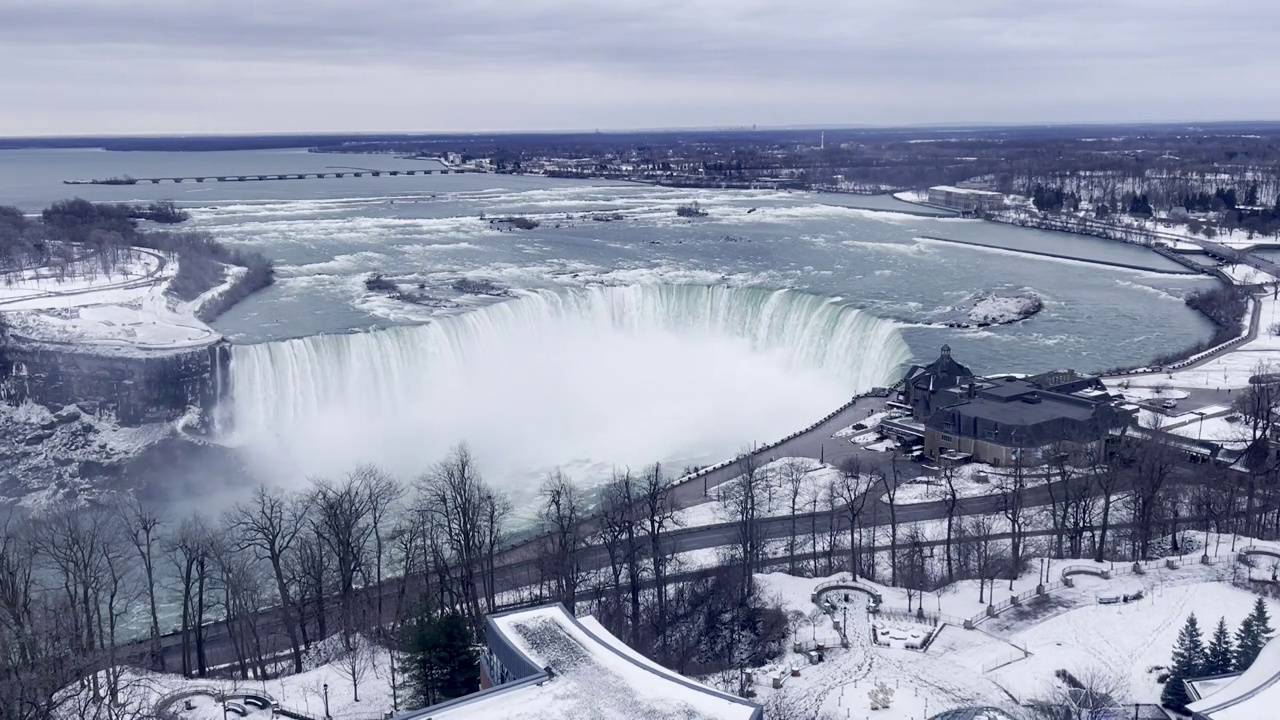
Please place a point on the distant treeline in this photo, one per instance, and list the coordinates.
(76, 237)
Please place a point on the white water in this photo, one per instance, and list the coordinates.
(585, 379)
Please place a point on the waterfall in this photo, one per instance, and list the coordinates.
(581, 378)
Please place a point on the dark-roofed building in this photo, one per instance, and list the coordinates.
(1003, 419)
(923, 382)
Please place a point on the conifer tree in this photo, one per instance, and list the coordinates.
(1188, 662)
(1252, 635)
(1220, 656)
(441, 658)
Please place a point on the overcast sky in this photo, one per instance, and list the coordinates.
(236, 66)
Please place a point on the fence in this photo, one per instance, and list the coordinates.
(770, 446)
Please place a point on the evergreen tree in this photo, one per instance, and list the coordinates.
(1252, 635)
(1188, 662)
(441, 662)
(1220, 657)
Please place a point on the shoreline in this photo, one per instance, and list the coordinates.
(1056, 256)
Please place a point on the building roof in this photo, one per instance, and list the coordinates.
(966, 191)
(1254, 694)
(940, 374)
(1018, 412)
(588, 673)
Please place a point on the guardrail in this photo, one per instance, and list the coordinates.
(770, 446)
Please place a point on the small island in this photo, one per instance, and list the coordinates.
(992, 309)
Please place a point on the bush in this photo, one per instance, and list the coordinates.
(160, 211)
(520, 222)
(691, 210)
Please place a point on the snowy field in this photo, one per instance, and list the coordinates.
(130, 308)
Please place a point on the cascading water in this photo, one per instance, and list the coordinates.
(585, 379)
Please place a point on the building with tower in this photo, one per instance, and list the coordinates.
(1005, 419)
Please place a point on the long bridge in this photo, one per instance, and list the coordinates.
(256, 177)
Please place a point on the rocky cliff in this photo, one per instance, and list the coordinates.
(134, 389)
(75, 423)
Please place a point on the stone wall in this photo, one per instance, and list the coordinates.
(135, 389)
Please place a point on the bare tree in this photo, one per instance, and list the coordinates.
(852, 487)
(792, 474)
(981, 530)
(561, 513)
(951, 500)
(143, 525)
(1091, 694)
(189, 550)
(340, 517)
(659, 515)
(270, 526)
(356, 664)
(384, 496)
(452, 495)
(741, 498)
(1011, 488)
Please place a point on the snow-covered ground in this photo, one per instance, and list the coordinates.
(812, 481)
(304, 692)
(913, 196)
(127, 309)
(971, 480)
(1247, 275)
(1009, 659)
(862, 428)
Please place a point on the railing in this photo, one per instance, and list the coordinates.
(844, 585)
(770, 446)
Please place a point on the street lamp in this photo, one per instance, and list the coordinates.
(326, 700)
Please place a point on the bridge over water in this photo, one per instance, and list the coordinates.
(260, 177)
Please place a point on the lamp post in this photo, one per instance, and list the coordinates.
(326, 700)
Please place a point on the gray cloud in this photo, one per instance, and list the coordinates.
(84, 66)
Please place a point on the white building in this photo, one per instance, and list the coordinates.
(964, 199)
(1252, 695)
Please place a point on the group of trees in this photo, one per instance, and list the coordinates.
(1192, 658)
(415, 566)
(74, 238)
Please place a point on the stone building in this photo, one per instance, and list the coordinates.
(1002, 420)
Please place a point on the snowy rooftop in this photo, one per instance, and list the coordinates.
(593, 675)
(971, 191)
(1252, 695)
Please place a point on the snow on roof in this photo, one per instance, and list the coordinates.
(954, 189)
(1250, 696)
(593, 675)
